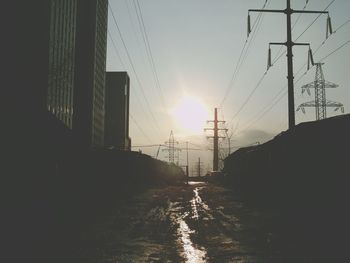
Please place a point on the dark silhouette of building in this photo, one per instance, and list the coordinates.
(117, 110)
(66, 53)
(90, 68)
(61, 59)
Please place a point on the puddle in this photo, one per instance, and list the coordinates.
(190, 252)
(198, 204)
(196, 183)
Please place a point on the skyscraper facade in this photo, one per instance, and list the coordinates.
(90, 67)
(66, 48)
(117, 110)
(61, 59)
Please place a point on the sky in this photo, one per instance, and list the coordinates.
(196, 48)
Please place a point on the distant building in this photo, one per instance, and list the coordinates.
(90, 67)
(61, 59)
(117, 110)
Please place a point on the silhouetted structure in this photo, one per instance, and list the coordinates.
(61, 60)
(288, 11)
(67, 77)
(89, 90)
(320, 103)
(173, 152)
(303, 174)
(216, 137)
(117, 110)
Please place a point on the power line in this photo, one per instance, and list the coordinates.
(318, 16)
(147, 146)
(342, 25)
(320, 103)
(116, 49)
(307, 28)
(288, 11)
(293, 26)
(260, 81)
(133, 68)
(148, 48)
(249, 96)
(285, 93)
(322, 44)
(242, 56)
(144, 40)
(265, 73)
(118, 54)
(271, 106)
(139, 127)
(334, 51)
(272, 102)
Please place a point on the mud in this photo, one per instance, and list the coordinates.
(194, 223)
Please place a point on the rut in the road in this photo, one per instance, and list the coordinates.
(194, 223)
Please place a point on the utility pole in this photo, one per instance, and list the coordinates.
(199, 167)
(289, 44)
(187, 168)
(216, 137)
(320, 103)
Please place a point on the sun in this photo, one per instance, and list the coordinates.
(190, 114)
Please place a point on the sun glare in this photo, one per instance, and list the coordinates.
(190, 114)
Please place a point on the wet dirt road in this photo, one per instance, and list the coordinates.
(195, 223)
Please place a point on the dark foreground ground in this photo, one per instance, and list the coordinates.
(195, 223)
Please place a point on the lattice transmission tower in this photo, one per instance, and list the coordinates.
(288, 12)
(172, 149)
(320, 103)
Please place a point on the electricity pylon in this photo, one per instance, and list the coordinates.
(289, 44)
(216, 137)
(173, 152)
(320, 103)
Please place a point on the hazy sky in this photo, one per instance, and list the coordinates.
(196, 45)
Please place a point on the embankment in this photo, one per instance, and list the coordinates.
(56, 186)
(301, 166)
(303, 174)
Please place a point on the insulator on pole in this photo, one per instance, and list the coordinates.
(249, 29)
(269, 63)
(329, 26)
(310, 59)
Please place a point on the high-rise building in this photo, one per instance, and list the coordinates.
(61, 59)
(63, 46)
(117, 110)
(90, 67)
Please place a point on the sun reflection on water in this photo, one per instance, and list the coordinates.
(191, 253)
